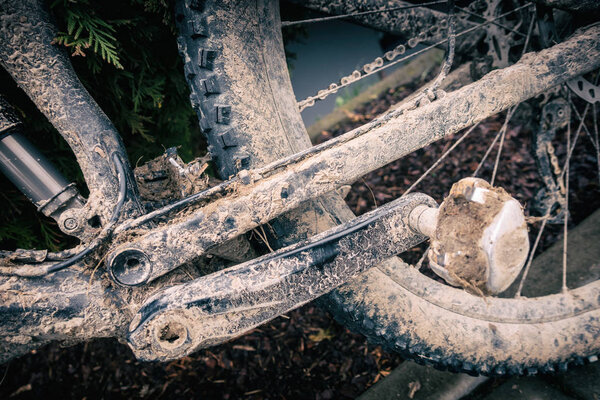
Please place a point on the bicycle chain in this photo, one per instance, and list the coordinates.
(374, 66)
(387, 58)
(556, 167)
(555, 116)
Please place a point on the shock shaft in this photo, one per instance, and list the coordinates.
(28, 169)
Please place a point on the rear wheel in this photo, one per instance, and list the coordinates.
(236, 69)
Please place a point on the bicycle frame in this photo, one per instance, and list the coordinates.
(71, 305)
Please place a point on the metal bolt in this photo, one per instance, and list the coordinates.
(70, 224)
(172, 335)
(423, 219)
(130, 267)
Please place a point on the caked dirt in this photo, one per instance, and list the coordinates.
(461, 224)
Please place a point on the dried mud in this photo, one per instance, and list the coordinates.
(461, 224)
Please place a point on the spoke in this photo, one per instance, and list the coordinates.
(592, 139)
(497, 162)
(487, 153)
(371, 191)
(498, 24)
(565, 175)
(419, 263)
(439, 160)
(532, 253)
(574, 141)
(501, 133)
(595, 116)
(510, 112)
(581, 118)
(508, 115)
(596, 138)
(356, 14)
(566, 212)
(582, 126)
(529, 31)
(502, 136)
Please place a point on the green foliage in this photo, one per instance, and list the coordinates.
(87, 31)
(22, 227)
(348, 93)
(141, 85)
(294, 33)
(162, 8)
(21, 234)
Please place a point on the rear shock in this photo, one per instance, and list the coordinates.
(34, 175)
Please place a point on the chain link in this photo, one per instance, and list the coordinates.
(557, 170)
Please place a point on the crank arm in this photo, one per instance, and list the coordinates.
(218, 307)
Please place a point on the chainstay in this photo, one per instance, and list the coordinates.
(285, 190)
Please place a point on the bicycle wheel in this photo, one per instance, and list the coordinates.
(235, 66)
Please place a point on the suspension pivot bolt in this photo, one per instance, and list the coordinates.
(245, 177)
(130, 267)
(70, 224)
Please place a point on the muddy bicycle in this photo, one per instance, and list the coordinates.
(125, 279)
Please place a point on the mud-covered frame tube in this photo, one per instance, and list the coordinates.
(346, 158)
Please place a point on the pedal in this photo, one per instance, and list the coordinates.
(479, 237)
